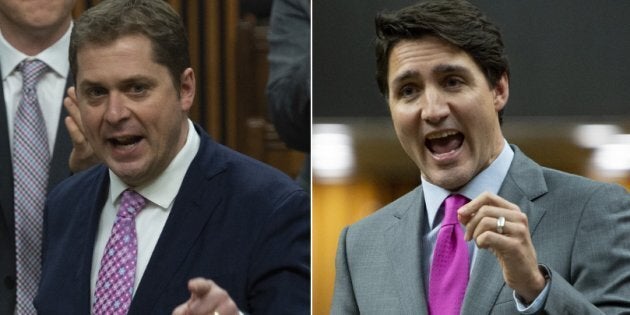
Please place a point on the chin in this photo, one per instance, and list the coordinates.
(449, 180)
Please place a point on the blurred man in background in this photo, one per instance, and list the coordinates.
(289, 84)
(34, 144)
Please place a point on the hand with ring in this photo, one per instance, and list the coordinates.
(206, 297)
(500, 227)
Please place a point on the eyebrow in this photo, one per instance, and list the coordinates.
(449, 68)
(85, 84)
(405, 76)
(439, 69)
(138, 78)
(127, 81)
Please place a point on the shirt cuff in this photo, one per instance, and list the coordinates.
(540, 300)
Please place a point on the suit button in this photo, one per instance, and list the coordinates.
(9, 282)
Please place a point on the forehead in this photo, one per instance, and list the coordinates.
(124, 56)
(426, 54)
(129, 46)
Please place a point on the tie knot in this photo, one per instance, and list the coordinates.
(32, 70)
(130, 204)
(452, 203)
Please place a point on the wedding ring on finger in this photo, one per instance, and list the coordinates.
(500, 224)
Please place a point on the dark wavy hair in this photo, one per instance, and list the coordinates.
(456, 21)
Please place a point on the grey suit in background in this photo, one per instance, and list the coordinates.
(288, 87)
(580, 229)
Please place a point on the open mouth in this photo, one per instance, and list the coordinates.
(125, 141)
(443, 142)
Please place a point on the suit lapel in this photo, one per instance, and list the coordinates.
(198, 197)
(405, 252)
(486, 281)
(6, 168)
(59, 168)
(89, 207)
(523, 184)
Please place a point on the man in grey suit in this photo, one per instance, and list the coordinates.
(535, 240)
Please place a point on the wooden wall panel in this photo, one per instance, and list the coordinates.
(230, 39)
(213, 114)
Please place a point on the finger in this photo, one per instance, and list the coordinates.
(489, 224)
(492, 241)
(71, 105)
(227, 308)
(467, 211)
(72, 93)
(181, 309)
(205, 296)
(492, 212)
(76, 135)
(200, 286)
(514, 235)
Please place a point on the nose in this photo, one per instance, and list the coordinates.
(117, 110)
(434, 106)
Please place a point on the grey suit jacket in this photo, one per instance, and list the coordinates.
(59, 170)
(580, 229)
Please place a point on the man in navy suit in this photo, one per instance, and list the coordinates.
(219, 232)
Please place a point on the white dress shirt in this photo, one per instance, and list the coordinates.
(150, 221)
(490, 180)
(50, 88)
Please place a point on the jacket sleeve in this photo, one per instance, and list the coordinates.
(600, 268)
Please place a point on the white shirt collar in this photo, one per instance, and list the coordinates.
(490, 180)
(164, 188)
(55, 56)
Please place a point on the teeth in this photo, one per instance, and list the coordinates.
(124, 139)
(130, 140)
(441, 134)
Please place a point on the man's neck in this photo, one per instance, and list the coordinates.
(32, 41)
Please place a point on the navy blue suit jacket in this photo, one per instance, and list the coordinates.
(235, 220)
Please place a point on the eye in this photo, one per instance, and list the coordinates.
(408, 91)
(453, 82)
(138, 89)
(95, 92)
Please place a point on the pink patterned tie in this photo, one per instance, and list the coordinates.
(450, 267)
(114, 286)
(31, 162)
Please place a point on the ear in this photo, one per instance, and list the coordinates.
(501, 92)
(187, 89)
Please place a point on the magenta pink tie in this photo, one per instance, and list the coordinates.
(31, 163)
(450, 267)
(115, 282)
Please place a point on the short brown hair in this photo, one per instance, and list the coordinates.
(155, 19)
